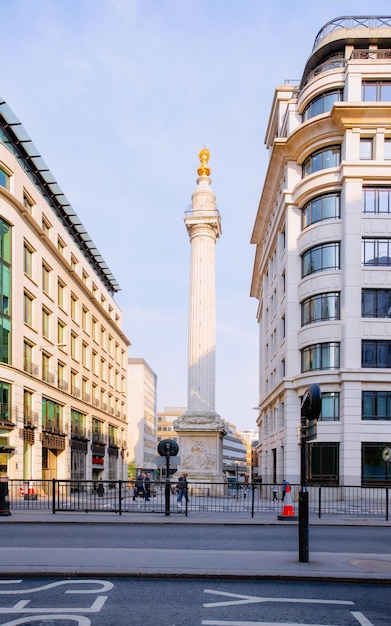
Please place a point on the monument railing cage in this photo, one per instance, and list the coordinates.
(234, 498)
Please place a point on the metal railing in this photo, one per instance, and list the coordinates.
(253, 500)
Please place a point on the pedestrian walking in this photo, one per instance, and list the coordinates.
(147, 485)
(139, 486)
(275, 493)
(182, 490)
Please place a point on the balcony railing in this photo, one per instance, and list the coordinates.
(8, 414)
(52, 426)
(48, 377)
(62, 384)
(30, 368)
(351, 22)
(371, 54)
(30, 418)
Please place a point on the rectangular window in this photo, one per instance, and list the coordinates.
(46, 225)
(84, 319)
(74, 307)
(330, 407)
(84, 354)
(376, 91)
(61, 246)
(46, 323)
(28, 308)
(376, 405)
(376, 252)
(61, 294)
(366, 149)
(74, 346)
(376, 353)
(376, 303)
(4, 179)
(28, 253)
(387, 149)
(373, 466)
(376, 200)
(61, 332)
(323, 462)
(28, 202)
(46, 271)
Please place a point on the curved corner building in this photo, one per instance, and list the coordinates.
(63, 355)
(322, 270)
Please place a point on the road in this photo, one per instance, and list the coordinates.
(196, 537)
(173, 602)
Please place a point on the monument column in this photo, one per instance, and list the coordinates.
(201, 429)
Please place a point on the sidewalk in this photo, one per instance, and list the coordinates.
(108, 562)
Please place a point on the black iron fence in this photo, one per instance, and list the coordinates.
(122, 497)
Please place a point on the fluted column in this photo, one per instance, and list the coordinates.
(203, 226)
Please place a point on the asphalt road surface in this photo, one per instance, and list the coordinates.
(173, 602)
(192, 537)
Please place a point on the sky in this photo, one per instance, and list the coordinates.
(119, 96)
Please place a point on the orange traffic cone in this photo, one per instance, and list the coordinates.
(287, 511)
(21, 492)
(30, 495)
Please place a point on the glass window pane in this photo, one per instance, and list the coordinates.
(387, 149)
(385, 93)
(317, 162)
(366, 149)
(329, 256)
(316, 210)
(317, 107)
(369, 92)
(383, 195)
(369, 196)
(369, 251)
(383, 258)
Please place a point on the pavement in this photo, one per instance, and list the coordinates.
(181, 562)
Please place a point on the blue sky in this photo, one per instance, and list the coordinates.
(119, 96)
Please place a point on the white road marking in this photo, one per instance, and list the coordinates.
(95, 607)
(244, 599)
(80, 619)
(362, 620)
(225, 623)
(104, 586)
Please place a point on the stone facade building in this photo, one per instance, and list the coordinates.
(322, 270)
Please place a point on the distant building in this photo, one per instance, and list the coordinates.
(322, 270)
(62, 351)
(142, 415)
(166, 419)
(249, 437)
(234, 453)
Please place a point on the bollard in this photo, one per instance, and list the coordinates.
(4, 498)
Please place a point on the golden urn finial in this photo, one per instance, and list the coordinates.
(204, 155)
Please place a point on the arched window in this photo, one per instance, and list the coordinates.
(320, 258)
(322, 103)
(322, 159)
(320, 208)
(320, 308)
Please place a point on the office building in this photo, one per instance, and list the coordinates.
(322, 270)
(142, 416)
(63, 354)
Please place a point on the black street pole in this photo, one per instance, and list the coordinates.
(167, 488)
(303, 496)
(310, 411)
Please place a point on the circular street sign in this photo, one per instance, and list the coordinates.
(386, 455)
(168, 447)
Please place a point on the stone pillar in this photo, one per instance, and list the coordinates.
(201, 429)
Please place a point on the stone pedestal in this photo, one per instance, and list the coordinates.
(201, 446)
